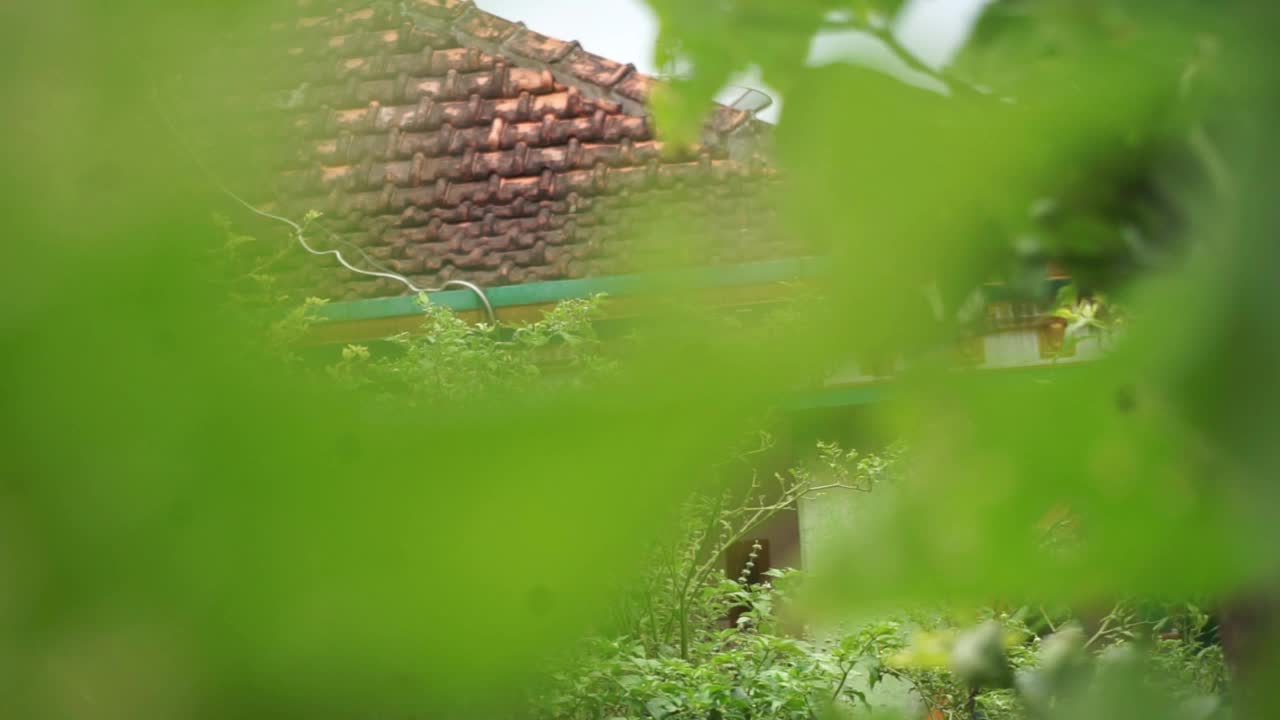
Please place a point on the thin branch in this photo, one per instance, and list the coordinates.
(682, 615)
(1216, 167)
(836, 486)
(843, 679)
(1047, 620)
(271, 261)
(809, 706)
(1102, 629)
(885, 35)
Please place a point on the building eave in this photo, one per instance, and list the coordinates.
(724, 286)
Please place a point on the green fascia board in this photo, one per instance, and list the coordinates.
(838, 397)
(761, 273)
(994, 292)
(871, 393)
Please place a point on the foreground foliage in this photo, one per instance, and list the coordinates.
(192, 531)
(693, 643)
(922, 665)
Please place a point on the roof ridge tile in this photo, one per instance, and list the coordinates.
(536, 46)
(443, 8)
(485, 27)
(595, 69)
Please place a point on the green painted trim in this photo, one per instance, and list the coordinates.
(838, 397)
(1003, 293)
(761, 273)
(873, 392)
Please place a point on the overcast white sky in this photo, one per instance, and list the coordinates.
(625, 30)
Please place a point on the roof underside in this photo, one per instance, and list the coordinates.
(449, 144)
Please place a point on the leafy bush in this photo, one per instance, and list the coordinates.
(448, 358)
(674, 652)
(753, 669)
(676, 655)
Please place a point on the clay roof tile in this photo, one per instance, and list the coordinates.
(486, 27)
(594, 69)
(452, 143)
(537, 46)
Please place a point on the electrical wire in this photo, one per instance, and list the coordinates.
(300, 235)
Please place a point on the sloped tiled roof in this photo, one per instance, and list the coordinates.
(449, 143)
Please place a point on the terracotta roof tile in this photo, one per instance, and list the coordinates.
(540, 47)
(441, 8)
(486, 27)
(635, 86)
(726, 119)
(450, 143)
(594, 69)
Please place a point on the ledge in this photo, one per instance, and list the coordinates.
(556, 290)
(848, 395)
(720, 286)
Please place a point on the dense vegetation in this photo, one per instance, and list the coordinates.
(684, 640)
(193, 526)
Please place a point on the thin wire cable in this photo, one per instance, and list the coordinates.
(302, 240)
(300, 235)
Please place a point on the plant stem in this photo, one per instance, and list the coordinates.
(843, 679)
(1102, 629)
(1047, 620)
